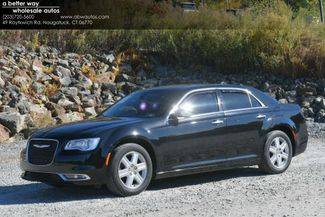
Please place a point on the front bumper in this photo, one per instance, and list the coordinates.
(74, 169)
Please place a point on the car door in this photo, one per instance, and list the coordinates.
(197, 138)
(245, 115)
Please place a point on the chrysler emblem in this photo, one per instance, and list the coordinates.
(41, 146)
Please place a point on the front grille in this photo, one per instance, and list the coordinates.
(41, 152)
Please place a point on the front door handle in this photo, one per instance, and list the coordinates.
(260, 116)
(218, 121)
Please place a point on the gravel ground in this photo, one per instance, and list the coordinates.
(300, 191)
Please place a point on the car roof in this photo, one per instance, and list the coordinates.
(190, 87)
(265, 98)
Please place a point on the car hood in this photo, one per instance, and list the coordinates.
(84, 129)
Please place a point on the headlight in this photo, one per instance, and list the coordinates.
(83, 144)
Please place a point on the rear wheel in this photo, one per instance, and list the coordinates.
(130, 170)
(277, 153)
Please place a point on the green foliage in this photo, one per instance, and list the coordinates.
(262, 37)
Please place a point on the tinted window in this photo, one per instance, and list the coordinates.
(235, 100)
(148, 103)
(255, 103)
(199, 103)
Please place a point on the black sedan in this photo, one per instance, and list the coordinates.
(168, 131)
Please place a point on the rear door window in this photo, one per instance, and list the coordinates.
(235, 100)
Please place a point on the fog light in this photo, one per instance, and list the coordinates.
(74, 177)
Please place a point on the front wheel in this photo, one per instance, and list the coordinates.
(130, 170)
(277, 153)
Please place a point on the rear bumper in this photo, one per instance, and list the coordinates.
(300, 148)
(301, 139)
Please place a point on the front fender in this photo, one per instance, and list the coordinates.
(123, 135)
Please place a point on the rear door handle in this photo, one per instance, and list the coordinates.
(218, 121)
(260, 116)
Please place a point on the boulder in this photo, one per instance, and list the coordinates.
(123, 78)
(70, 117)
(109, 57)
(107, 77)
(38, 87)
(14, 121)
(90, 111)
(65, 103)
(320, 117)
(37, 66)
(40, 117)
(63, 63)
(283, 101)
(2, 83)
(4, 133)
(23, 106)
(55, 109)
(21, 81)
(85, 82)
(65, 81)
(62, 72)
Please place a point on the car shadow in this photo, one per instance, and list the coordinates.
(202, 178)
(41, 193)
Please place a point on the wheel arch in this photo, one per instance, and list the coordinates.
(289, 131)
(147, 145)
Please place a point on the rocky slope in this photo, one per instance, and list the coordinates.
(46, 87)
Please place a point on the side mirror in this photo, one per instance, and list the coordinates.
(173, 120)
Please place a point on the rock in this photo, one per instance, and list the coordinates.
(305, 103)
(25, 63)
(62, 72)
(85, 82)
(37, 66)
(38, 87)
(110, 58)
(23, 106)
(65, 103)
(308, 112)
(107, 77)
(127, 87)
(320, 116)
(14, 121)
(304, 90)
(90, 111)
(88, 102)
(4, 133)
(70, 117)
(284, 101)
(21, 81)
(2, 83)
(65, 81)
(70, 92)
(126, 69)
(40, 117)
(63, 63)
(123, 78)
(319, 103)
(109, 86)
(56, 110)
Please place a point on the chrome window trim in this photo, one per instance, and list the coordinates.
(40, 139)
(175, 107)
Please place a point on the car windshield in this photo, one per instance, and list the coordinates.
(148, 103)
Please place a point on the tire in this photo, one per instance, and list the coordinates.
(118, 183)
(273, 154)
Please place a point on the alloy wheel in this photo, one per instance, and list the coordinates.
(279, 152)
(132, 170)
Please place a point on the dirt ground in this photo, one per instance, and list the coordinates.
(300, 191)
